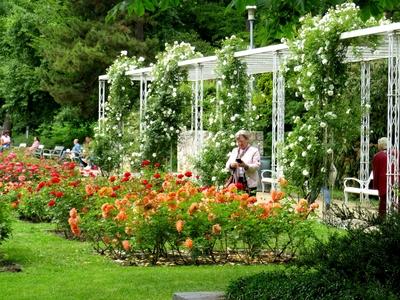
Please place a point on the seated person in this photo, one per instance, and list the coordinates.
(76, 153)
(35, 145)
(5, 140)
(86, 151)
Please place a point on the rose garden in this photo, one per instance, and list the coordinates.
(154, 220)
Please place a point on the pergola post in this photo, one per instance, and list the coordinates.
(250, 91)
(365, 108)
(278, 117)
(102, 101)
(393, 123)
(143, 102)
(218, 116)
(197, 109)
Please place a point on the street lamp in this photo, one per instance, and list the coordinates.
(251, 12)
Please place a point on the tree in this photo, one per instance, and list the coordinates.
(23, 102)
(139, 7)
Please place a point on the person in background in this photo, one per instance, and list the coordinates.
(244, 162)
(86, 152)
(379, 169)
(76, 153)
(5, 140)
(35, 145)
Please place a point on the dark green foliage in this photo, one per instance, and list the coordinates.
(75, 51)
(66, 126)
(5, 220)
(363, 255)
(300, 284)
(362, 264)
(21, 97)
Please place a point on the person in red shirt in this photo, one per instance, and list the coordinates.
(379, 171)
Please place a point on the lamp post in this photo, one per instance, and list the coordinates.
(251, 12)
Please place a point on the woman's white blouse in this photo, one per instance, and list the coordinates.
(250, 158)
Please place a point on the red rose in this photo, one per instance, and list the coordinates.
(55, 180)
(112, 178)
(180, 176)
(51, 203)
(149, 186)
(157, 165)
(58, 194)
(239, 186)
(157, 175)
(188, 174)
(116, 187)
(125, 179)
(144, 182)
(127, 174)
(145, 163)
(40, 186)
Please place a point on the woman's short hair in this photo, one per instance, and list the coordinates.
(243, 133)
(382, 143)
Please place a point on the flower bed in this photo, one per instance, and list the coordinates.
(152, 216)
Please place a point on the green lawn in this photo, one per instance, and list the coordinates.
(55, 268)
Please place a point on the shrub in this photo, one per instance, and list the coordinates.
(5, 220)
(163, 216)
(362, 255)
(300, 284)
(362, 264)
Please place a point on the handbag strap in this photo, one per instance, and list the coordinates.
(240, 155)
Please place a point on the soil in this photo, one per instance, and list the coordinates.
(8, 266)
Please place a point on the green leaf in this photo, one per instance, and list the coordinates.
(149, 5)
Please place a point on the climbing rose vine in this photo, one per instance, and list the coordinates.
(231, 113)
(317, 71)
(117, 138)
(163, 119)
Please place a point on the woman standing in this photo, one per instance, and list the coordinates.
(244, 162)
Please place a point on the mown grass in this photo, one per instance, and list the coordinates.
(55, 268)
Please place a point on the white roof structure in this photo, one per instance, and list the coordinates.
(260, 60)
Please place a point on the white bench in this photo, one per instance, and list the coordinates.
(267, 179)
(361, 189)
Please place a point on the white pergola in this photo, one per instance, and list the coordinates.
(268, 59)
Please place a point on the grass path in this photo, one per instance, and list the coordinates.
(55, 268)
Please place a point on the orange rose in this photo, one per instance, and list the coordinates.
(211, 217)
(216, 229)
(276, 195)
(282, 182)
(188, 243)
(121, 216)
(179, 225)
(89, 190)
(128, 230)
(126, 245)
(105, 191)
(193, 208)
(73, 213)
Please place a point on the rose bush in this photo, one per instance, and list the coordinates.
(152, 216)
(160, 216)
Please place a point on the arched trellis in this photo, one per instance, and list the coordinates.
(267, 59)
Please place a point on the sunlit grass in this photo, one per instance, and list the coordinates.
(55, 268)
